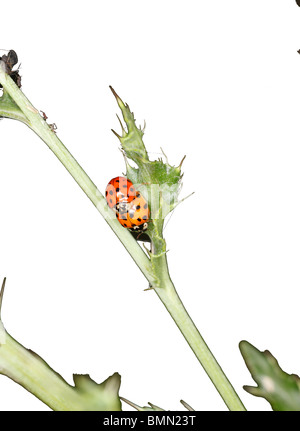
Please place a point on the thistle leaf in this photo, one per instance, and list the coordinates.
(159, 182)
(280, 389)
(132, 142)
(29, 370)
(151, 407)
(102, 396)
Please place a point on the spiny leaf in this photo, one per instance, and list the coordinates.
(103, 396)
(1, 294)
(187, 406)
(152, 407)
(9, 109)
(29, 370)
(158, 181)
(131, 141)
(280, 389)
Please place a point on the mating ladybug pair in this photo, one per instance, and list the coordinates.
(130, 206)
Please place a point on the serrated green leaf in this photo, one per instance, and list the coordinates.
(9, 109)
(151, 407)
(158, 181)
(99, 396)
(280, 389)
(132, 142)
(29, 370)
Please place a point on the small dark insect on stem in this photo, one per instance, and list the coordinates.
(52, 126)
(44, 115)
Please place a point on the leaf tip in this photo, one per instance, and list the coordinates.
(2, 293)
(118, 98)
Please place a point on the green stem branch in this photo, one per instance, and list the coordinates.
(33, 373)
(169, 297)
(155, 271)
(37, 123)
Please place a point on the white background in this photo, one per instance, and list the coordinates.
(218, 81)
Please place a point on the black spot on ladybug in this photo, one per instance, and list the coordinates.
(139, 219)
(117, 181)
(117, 189)
(131, 189)
(138, 207)
(125, 186)
(145, 217)
(138, 194)
(111, 192)
(125, 224)
(131, 213)
(106, 193)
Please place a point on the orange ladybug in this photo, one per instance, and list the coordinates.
(130, 206)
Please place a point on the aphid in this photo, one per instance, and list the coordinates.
(53, 127)
(130, 206)
(44, 115)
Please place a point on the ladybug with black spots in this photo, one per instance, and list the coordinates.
(130, 206)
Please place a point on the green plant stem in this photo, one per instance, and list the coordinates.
(37, 123)
(153, 273)
(32, 373)
(173, 304)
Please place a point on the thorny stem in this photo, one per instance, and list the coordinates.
(37, 123)
(169, 297)
(157, 274)
(32, 372)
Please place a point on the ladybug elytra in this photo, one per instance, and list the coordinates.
(130, 206)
